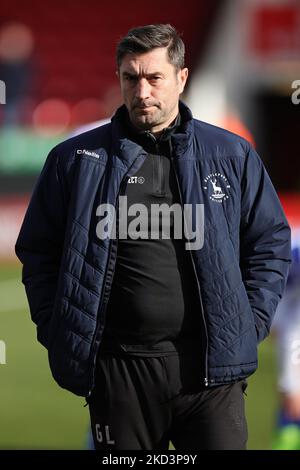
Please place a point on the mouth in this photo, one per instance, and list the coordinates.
(144, 109)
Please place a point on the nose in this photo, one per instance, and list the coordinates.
(143, 89)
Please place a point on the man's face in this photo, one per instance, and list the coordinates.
(151, 87)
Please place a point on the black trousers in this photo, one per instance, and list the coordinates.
(142, 403)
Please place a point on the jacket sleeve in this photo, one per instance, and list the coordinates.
(265, 243)
(39, 245)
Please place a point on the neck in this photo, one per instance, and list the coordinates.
(158, 131)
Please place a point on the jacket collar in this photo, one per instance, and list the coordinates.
(125, 149)
(183, 139)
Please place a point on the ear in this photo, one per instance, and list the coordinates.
(118, 74)
(182, 78)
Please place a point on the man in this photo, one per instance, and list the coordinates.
(155, 251)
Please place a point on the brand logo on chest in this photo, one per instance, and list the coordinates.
(217, 187)
(136, 179)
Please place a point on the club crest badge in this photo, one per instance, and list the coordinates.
(217, 187)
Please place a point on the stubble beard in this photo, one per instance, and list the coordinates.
(146, 121)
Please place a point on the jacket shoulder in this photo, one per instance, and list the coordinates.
(90, 140)
(215, 140)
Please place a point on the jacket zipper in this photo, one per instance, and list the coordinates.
(158, 174)
(206, 380)
(101, 321)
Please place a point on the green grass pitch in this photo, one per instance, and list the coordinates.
(36, 414)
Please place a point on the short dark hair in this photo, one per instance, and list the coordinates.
(145, 38)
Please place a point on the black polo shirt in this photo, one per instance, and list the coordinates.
(154, 301)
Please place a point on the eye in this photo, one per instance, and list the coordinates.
(130, 78)
(155, 79)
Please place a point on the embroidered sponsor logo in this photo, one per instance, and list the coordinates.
(217, 187)
(136, 179)
(88, 152)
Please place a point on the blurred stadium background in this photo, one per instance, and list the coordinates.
(57, 76)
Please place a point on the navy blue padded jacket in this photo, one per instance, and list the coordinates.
(241, 268)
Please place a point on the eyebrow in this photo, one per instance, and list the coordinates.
(147, 75)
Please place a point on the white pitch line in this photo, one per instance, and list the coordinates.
(12, 295)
